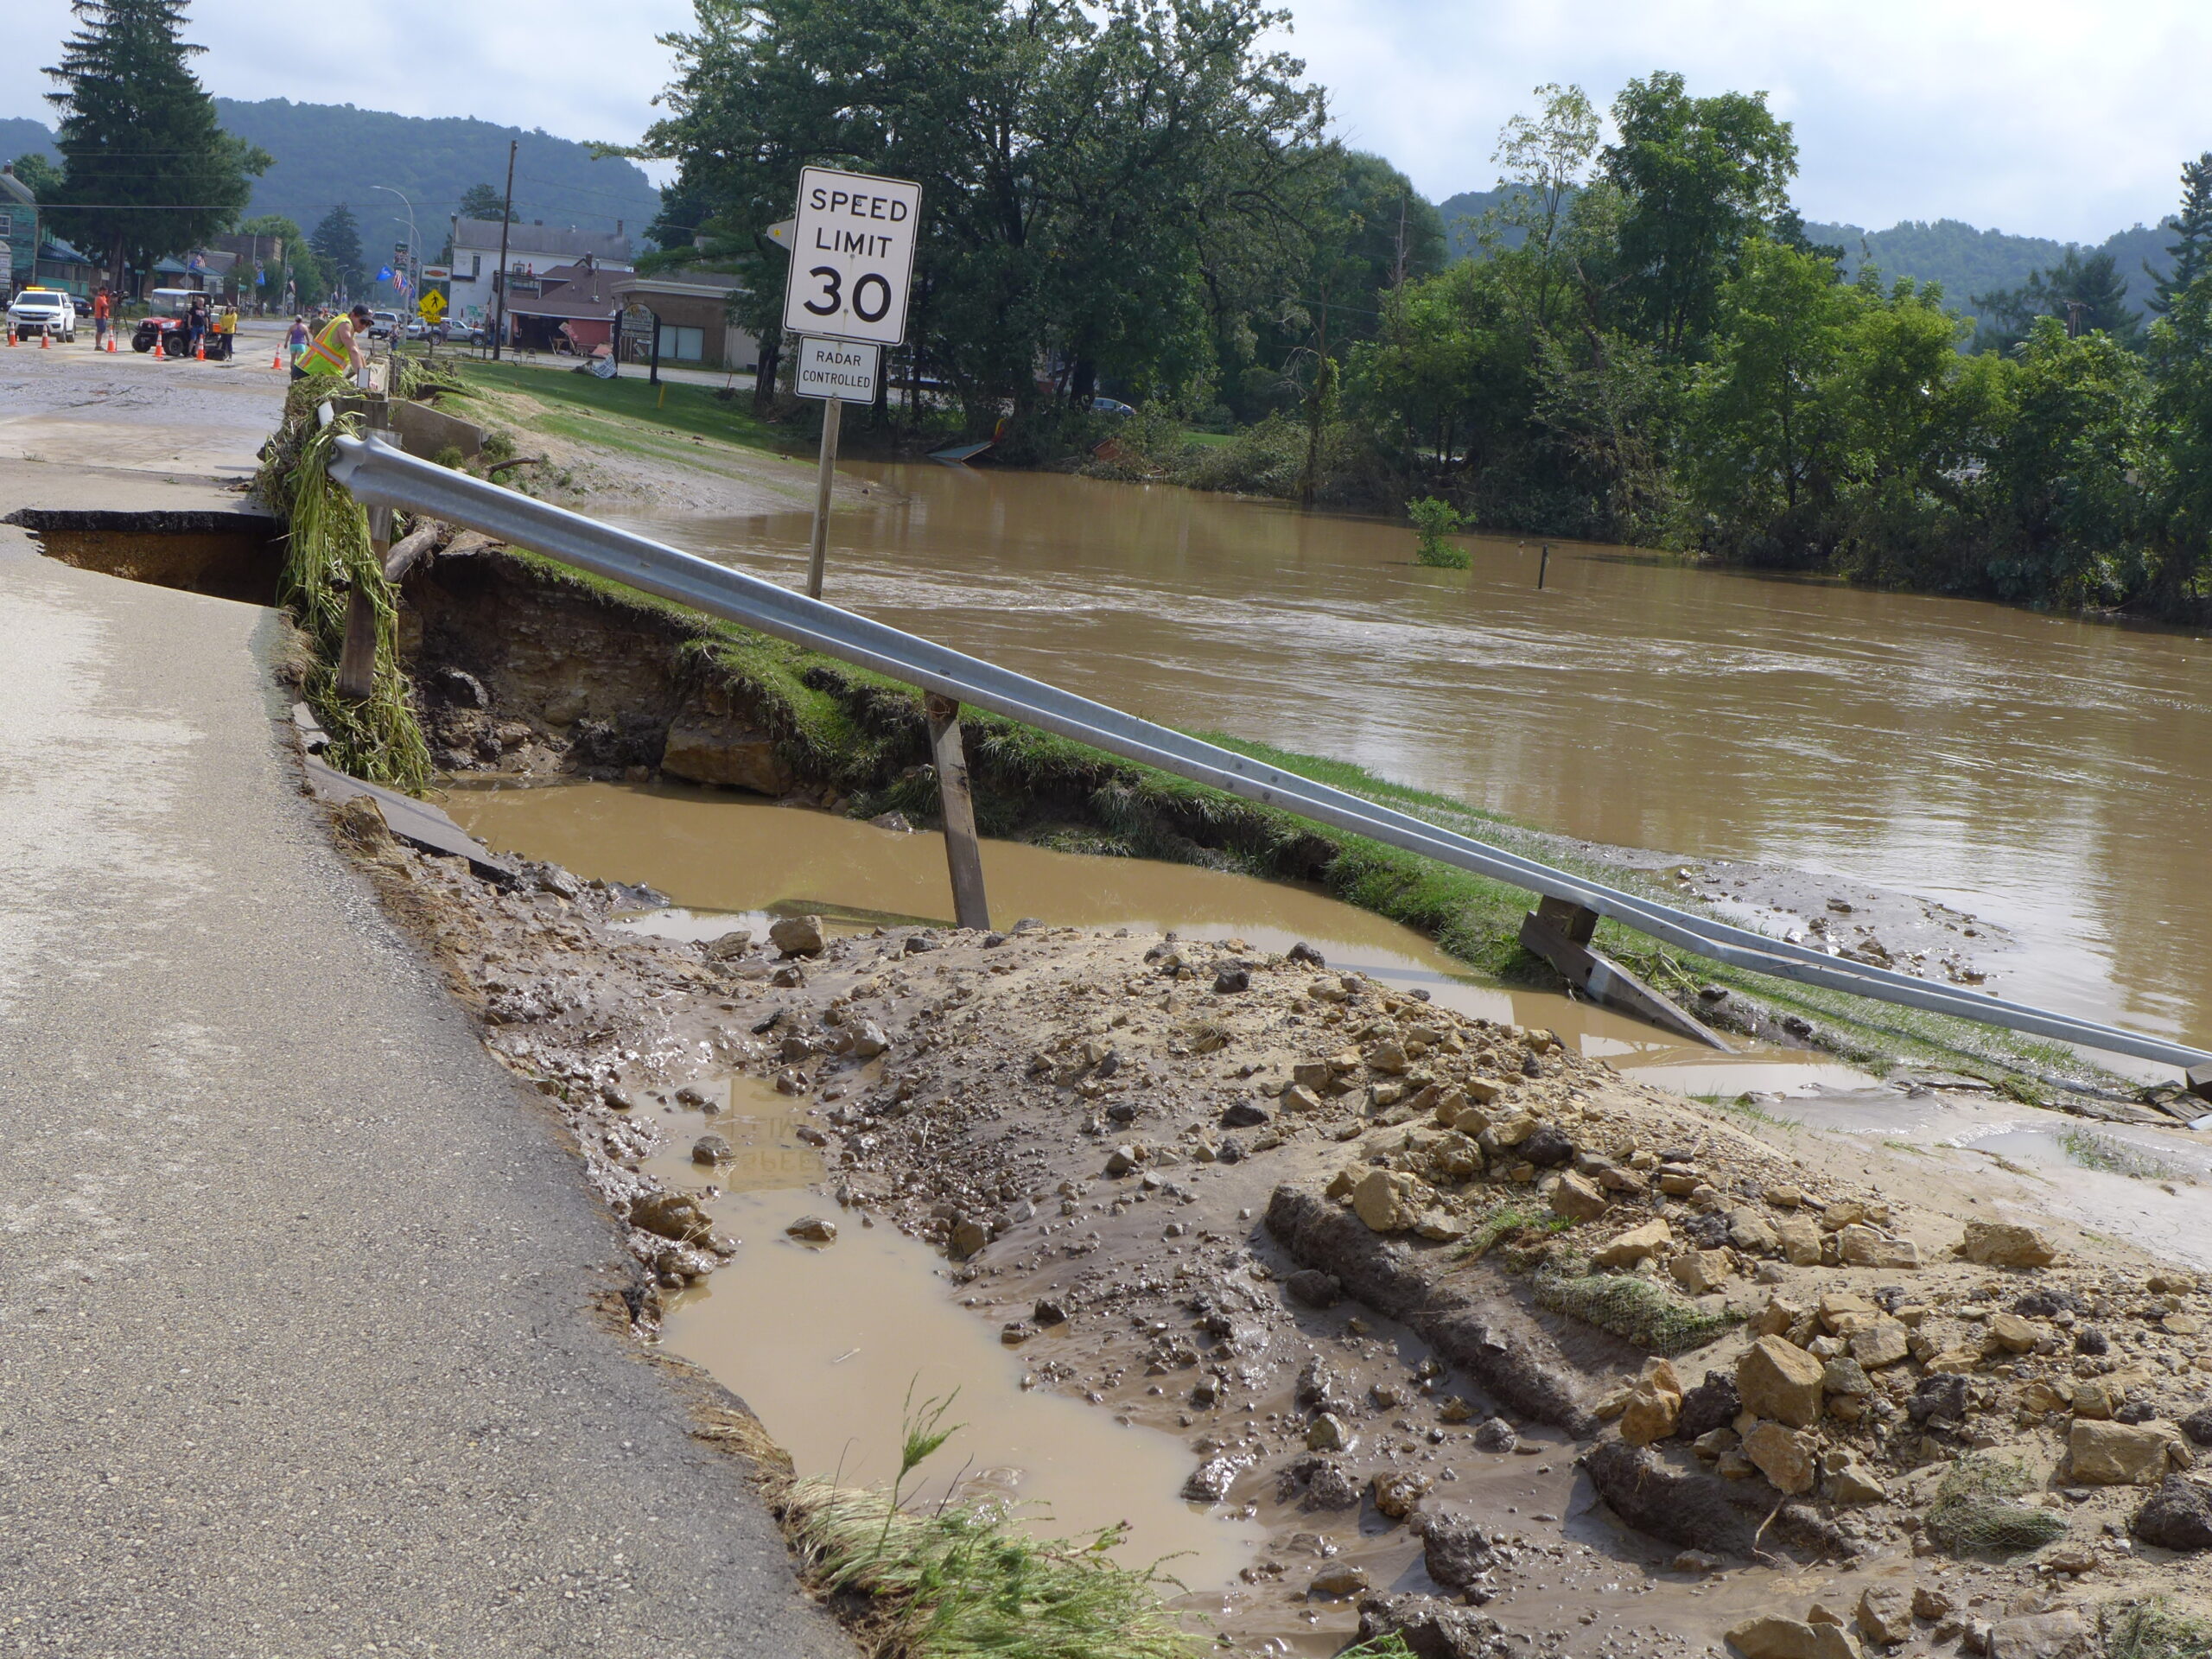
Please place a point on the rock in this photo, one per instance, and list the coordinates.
(1121, 1161)
(1314, 1288)
(710, 1149)
(1784, 1458)
(2115, 1454)
(1652, 1414)
(1844, 1375)
(1578, 1199)
(672, 1215)
(813, 1229)
(1328, 1433)
(1634, 1245)
(2010, 1333)
(706, 749)
(1939, 1401)
(1455, 1553)
(2095, 1398)
(1861, 1246)
(1694, 1511)
(1339, 1579)
(2004, 1245)
(1695, 1560)
(797, 936)
(1389, 1059)
(1210, 1480)
(1799, 1239)
(1770, 1635)
(1243, 1114)
(1048, 1311)
(2198, 1424)
(2179, 1515)
(1318, 1388)
(1931, 1602)
(1884, 1613)
(1777, 1379)
(1231, 979)
(1702, 1272)
(2063, 1634)
(1714, 1403)
(1494, 1434)
(1751, 1232)
(1396, 1495)
(729, 946)
(1851, 1481)
(1430, 1627)
(869, 1041)
(1883, 1343)
(1303, 952)
(966, 1239)
(1389, 1201)
(1546, 1148)
(1332, 1487)
(1298, 1098)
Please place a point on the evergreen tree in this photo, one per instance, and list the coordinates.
(146, 168)
(2093, 283)
(2192, 254)
(337, 243)
(485, 201)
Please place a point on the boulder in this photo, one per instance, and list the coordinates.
(1777, 1379)
(1799, 1240)
(1496, 1435)
(1693, 1511)
(1634, 1245)
(1455, 1553)
(2011, 1334)
(1328, 1433)
(1653, 1412)
(1884, 1613)
(1752, 1232)
(1714, 1403)
(2179, 1515)
(2005, 1244)
(2198, 1424)
(709, 749)
(1883, 1343)
(671, 1215)
(1783, 1457)
(2116, 1454)
(1389, 1201)
(1578, 1199)
(1210, 1480)
(1851, 1481)
(1339, 1579)
(1430, 1627)
(813, 1229)
(797, 936)
(710, 1149)
(1861, 1246)
(1397, 1496)
(1332, 1487)
(966, 1240)
(2061, 1634)
(1770, 1635)
(1314, 1288)
(1702, 1272)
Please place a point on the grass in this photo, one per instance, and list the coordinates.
(1744, 1106)
(2113, 1157)
(620, 412)
(1641, 1311)
(2150, 1629)
(1974, 1512)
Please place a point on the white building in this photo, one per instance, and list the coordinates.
(532, 248)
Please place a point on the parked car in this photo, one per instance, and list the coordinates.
(42, 311)
(1113, 406)
(381, 323)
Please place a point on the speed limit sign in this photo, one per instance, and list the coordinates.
(851, 255)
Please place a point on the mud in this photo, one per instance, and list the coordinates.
(1090, 1126)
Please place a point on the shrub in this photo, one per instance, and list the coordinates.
(1433, 520)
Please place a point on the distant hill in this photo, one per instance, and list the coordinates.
(1967, 261)
(329, 153)
(20, 134)
(1458, 213)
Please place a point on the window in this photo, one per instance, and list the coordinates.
(683, 345)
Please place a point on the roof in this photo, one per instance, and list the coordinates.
(584, 290)
(541, 241)
(682, 284)
(55, 251)
(15, 188)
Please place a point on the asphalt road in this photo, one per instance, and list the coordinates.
(298, 1353)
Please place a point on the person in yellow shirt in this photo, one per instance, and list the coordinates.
(226, 331)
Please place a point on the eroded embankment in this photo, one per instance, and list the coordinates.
(1439, 1303)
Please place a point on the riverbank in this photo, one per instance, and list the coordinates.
(1426, 1298)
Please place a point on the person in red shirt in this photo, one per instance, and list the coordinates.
(103, 310)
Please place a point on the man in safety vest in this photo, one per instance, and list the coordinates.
(336, 349)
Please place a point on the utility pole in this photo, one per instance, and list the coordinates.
(499, 277)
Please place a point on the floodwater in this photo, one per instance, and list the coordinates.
(2051, 775)
(730, 859)
(832, 1345)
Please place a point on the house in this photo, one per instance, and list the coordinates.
(62, 266)
(531, 248)
(18, 230)
(692, 307)
(571, 309)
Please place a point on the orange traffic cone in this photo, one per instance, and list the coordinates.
(200, 352)
(45, 340)
(276, 359)
(111, 345)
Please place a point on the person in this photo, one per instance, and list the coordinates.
(195, 324)
(227, 331)
(337, 349)
(295, 341)
(102, 313)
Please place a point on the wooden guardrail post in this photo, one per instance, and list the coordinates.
(357, 661)
(1560, 930)
(963, 853)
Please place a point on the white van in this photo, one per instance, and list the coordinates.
(47, 311)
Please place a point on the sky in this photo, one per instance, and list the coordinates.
(2068, 120)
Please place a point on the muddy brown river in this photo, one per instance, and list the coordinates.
(2049, 773)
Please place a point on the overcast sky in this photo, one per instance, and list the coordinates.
(2055, 120)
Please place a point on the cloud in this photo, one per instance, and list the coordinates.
(2040, 116)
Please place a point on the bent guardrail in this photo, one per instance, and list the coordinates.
(381, 475)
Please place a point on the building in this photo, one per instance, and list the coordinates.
(693, 309)
(567, 308)
(18, 232)
(532, 249)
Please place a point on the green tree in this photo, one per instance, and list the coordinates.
(147, 169)
(486, 201)
(303, 264)
(2090, 285)
(40, 176)
(1699, 176)
(2192, 251)
(337, 243)
(2181, 474)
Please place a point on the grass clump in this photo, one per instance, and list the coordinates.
(2149, 1629)
(1974, 1512)
(1638, 1311)
(2113, 1157)
(1433, 520)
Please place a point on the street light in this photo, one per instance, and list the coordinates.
(414, 252)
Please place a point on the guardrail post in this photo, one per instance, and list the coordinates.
(2200, 1081)
(962, 854)
(357, 661)
(1560, 930)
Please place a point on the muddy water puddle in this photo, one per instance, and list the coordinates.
(2047, 773)
(731, 861)
(828, 1343)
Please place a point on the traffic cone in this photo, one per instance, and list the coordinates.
(276, 359)
(45, 340)
(110, 343)
(200, 352)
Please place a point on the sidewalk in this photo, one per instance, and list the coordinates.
(304, 1346)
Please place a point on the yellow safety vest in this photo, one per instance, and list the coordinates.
(324, 355)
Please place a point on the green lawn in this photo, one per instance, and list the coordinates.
(676, 408)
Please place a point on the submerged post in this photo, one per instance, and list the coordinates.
(962, 854)
(1543, 566)
(821, 483)
(357, 660)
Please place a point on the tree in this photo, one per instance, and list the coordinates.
(146, 168)
(337, 243)
(1699, 176)
(2192, 254)
(40, 176)
(2092, 284)
(299, 261)
(486, 201)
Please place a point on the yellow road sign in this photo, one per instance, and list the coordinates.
(431, 306)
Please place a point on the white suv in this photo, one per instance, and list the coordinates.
(42, 311)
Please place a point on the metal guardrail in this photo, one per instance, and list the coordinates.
(381, 475)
